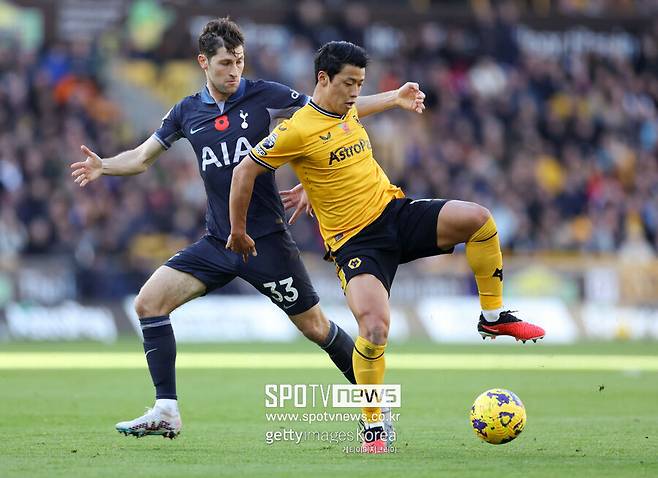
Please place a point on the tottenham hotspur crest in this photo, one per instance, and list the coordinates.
(244, 124)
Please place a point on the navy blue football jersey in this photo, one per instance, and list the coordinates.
(221, 134)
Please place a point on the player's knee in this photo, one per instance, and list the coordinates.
(471, 216)
(479, 215)
(373, 326)
(141, 306)
(146, 306)
(460, 221)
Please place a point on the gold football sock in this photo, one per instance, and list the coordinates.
(486, 261)
(369, 368)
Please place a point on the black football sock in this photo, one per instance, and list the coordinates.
(339, 347)
(160, 350)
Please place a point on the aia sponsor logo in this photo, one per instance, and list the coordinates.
(228, 154)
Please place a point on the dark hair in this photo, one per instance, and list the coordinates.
(333, 55)
(218, 33)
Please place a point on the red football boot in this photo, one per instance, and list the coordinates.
(374, 439)
(508, 324)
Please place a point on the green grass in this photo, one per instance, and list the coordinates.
(504, 345)
(59, 422)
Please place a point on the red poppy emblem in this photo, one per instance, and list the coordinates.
(221, 123)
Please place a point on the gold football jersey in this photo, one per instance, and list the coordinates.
(332, 157)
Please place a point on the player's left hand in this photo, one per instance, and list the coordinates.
(296, 198)
(242, 245)
(410, 97)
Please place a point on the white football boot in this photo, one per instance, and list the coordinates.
(156, 421)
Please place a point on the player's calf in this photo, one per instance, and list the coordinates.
(313, 324)
(329, 336)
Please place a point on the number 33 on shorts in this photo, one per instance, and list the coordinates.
(288, 292)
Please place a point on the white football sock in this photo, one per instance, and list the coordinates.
(168, 405)
(491, 315)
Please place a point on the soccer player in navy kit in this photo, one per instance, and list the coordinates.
(222, 122)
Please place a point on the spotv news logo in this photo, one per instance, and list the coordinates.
(336, 395)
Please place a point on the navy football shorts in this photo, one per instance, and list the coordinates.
(405, 231)
(277, 271)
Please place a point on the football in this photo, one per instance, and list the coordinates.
(498, 416)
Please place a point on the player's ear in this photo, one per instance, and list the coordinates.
(323, 78)
(203, 61)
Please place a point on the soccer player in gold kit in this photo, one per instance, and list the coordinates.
(367, 224)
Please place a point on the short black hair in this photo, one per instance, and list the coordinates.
(332, 56)
(218, 33)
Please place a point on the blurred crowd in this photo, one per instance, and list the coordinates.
(561, 148)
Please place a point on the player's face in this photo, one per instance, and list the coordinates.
(344, 88)
(224, 69)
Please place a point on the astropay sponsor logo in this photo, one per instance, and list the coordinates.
(346, 152)
(334, 395)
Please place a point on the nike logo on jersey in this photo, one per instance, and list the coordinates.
(192, 130)
(149, 351)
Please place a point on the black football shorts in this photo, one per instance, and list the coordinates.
(405, 231)
(277, 271)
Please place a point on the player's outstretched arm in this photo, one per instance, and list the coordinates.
(242, 187)
(296, 199)
(408, 97)
(127, 163)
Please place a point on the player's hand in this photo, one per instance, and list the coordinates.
(296, 198)
(89, 170)
(409, 97)
(242, 245)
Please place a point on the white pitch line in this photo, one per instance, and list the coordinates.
(132, 360)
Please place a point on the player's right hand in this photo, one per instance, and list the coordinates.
(89, 170)
(242, 244)
(296, 198)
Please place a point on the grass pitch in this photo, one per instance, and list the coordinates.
(591, 412)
